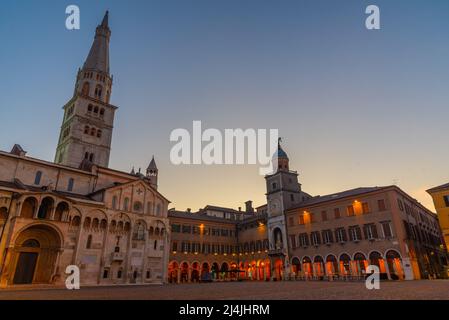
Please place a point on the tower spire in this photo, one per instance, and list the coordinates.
(98, 58)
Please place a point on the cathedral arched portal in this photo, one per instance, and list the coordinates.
(34, 256)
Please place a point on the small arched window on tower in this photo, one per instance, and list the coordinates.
(99, 134)
(89, 108)
(101, 112)
(93, 131)
(98, 91)
(96, 109)
(37, 178)
(86, 131)
(91, 157)
(86, 88)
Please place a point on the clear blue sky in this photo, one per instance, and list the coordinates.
(355, 107)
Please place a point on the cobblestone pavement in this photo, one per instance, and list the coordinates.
(425, 289)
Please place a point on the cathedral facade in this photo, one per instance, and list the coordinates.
(76, 210)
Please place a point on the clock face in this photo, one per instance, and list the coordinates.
(275, 207)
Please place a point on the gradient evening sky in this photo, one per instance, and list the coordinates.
(355, 107)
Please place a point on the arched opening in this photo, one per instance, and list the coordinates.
(195, 272)
(215, 270)
(3, 217)
(307, 266)
(345, 264)
(205, 272)
(331, 265)
(173, 272)
(87, 223)
(95, 224)
(28, 208)
(45, 208)
(278, 269)
(318, 266)
(360, 263)
(296, 266)
(184, 272)
(61, 210)
(394, 262)
(34, 255)
(224, 271)
(75, 222)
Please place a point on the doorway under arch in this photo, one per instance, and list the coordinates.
(34, 255)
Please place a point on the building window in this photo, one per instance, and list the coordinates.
(340, 235)
(274, 185)
(70, 185)
(381, 205)
(303, 239)
(355, 234)
(446, 200)
(315, 238)
(119, 274)
(324, 215)
(126, 204)
(176, 228)
(337, 213)
(148, 274)
(365, 207)
(105, 273)
(89, 242)
(37, 178)
(400, 205)
(187, 229)
(301, 219)
(292, 197)
(370, 231)
(138, 207)
(293, 241)
(350, 211)
(386, 228)
(290, 221)
(114, 202)
(327, 237)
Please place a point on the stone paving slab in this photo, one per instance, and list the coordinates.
(404, 290)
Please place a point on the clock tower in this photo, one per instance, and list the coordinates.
(283, 192)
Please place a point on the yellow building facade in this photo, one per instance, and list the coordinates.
(440, 196)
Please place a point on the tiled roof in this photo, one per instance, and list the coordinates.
(443, 186)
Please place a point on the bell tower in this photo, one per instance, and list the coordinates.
(283, 192)
(86, 130)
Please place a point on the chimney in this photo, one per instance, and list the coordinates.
(249, 206)
(189, 210)
(240, 209)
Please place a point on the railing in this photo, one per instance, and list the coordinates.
(117, 256)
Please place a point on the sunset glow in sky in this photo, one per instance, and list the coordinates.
(355, 108)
